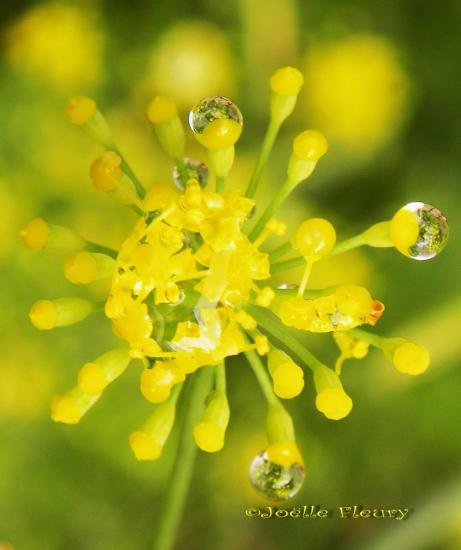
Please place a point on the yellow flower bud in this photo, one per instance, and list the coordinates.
(286, 81)
(297, 312)
(85, 267)
(315, 238)
(80, 110)
(262, 344)
(35, 234)
(354, 301)
(106, 172)
(156, 382)
(310, 145)
(147, 443)
(404, 230)
(95, 376)
(287, 376)
(331, 399)
(39, 234)
(411, 358)
(70, 407)
(220, 134)
(265, 297)
(48, 314)
(209, 433)
(161, 109)
(286, 454)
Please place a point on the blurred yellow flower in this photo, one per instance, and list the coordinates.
(356, 91)
(191, 60)
(57, 42)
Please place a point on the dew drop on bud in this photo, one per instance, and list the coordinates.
(193, 170)
(212, 108)
(433, 231)
(274, 481)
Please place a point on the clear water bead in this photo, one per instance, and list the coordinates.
(433, 231)
(212, 108)
(193, 170)
(275, 481)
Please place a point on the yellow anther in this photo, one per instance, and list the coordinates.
(265, 297)
(161, 109)
(245, 320)
(261, 344)
(310, 145)
(297, 312)
(276, 227)
(286, 81)
(354, 301)
(80, 110)
(106, 172)
(315, 238)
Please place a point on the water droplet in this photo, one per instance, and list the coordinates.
(433, 231)
(212, 108)
(274, 481)
(193, 170)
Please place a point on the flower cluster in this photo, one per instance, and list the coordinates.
(190, 286)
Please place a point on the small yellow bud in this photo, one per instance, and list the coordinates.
(404, 230)
(95, 376)
(161, 109)
(276, 227)
(315, 238)
(354, 301)
(287, 376)
(70, 407)
(85, 267)
(48, 314)
(285, 454)
(310, 145)
(411, 358)
(331, 399)
(35, 234)
(144, 446)
(80, 110)
(148, 441)
(106, 172)
(220, 134)
(209, 433)
(246, 320)
(286, 81)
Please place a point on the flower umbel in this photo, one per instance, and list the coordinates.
(191, 285)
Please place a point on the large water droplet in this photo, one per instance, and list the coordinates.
(192, 170)
(274, 481)
(212, 108)
(433, 231)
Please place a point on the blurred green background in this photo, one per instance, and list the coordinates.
(382, 81)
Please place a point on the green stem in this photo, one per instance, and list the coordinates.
(129, 172)
(221, 378)
(372, 339)
(348, 244)
(309, 294)
(270, 325)
(93, 247)
(287, 264)
(182, 470)
(262, 376)
(268, 143)
(276, 202)
(220, 184)
(280, 251)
